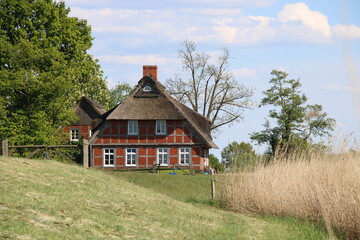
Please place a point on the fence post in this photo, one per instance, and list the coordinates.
(5, 147)
(212, 189)
(191, 170)
(85, 154)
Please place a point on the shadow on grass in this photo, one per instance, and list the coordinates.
(209, 202)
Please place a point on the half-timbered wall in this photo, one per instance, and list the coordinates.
(146, 142)
(84, 131)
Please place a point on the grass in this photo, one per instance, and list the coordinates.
(315, 187)
(44, 199)
(181, 187)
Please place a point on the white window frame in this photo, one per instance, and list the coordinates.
(131, 152)
(160, 154)
(109, 154)
(160, 127)
(133, 127)
(182, 153)
(74, 135)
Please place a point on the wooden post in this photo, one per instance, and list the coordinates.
(46, 153)
(212, 189)
(191, 170)
(85, 154)
(5, 147)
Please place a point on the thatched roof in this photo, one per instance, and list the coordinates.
(150, 101)
(88, 110)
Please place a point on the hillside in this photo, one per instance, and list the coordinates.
(50, 200)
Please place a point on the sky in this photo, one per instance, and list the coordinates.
(316, 41)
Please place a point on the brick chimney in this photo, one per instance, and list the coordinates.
(150, 70)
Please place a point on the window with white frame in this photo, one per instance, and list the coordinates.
(163, 156)
(184, 155)
(74, 135)
(160, 127)
(131, 157)
(109, 157)
(132, 127)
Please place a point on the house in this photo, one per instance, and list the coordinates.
(90, 114)
(151, 127)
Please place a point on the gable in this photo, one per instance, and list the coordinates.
(87, 110)
(148, 89)
(146, 105)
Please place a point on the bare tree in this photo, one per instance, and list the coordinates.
(209, 88)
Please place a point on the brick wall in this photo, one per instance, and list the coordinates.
(146, 143)
(84, 131)
(177, 132)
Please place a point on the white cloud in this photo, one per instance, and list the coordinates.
(134, 59)
(343, 88)
(294, 23)
(299, 13)
(103, 13)
(223, 21)
(346, 31)
(258, 3)
(227, 34)
(213, 11)
(245, 73)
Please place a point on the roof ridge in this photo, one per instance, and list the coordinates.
(194, 125)
(93, 104)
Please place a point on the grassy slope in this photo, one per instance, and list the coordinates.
(52, 200)
(195, 189)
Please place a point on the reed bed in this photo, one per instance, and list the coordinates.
(315, 187)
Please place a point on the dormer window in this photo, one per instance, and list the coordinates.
(147, 89)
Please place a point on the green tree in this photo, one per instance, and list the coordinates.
(296, 124)
(44, 69)
(239, 155)
(215, 163)
(209, 88)
(119, 93)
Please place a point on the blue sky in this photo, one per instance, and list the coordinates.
(315, 41)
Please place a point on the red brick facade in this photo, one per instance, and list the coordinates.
(84, 131)
(180, 142)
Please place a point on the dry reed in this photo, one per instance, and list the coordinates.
(314, 186)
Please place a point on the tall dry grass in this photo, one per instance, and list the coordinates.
(314, 186)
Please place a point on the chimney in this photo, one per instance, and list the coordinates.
(150, 70)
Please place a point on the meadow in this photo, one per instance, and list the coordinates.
(46, 199)
(318, 187)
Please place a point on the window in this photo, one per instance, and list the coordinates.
(147, 89)
(163, 156)
(131, 157)
(74, 134)
(109, 157)
(160, 127)
(184, 155)
(132, 127)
